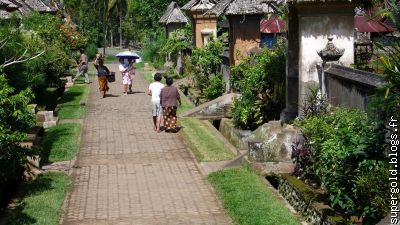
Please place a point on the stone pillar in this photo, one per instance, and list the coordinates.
(179, 64)
(292, 67)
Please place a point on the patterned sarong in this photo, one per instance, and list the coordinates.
(103, 83)
(169, 114)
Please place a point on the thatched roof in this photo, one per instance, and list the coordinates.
(40, 6)
(23, 7)
(7, 8)
(362, 3)
(242, 7)
(8, 5)
(199, 5)
(173, 14)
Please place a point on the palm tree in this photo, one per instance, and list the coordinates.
(121, 6)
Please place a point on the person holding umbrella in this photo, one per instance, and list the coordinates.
(126, 74)
(126, 69)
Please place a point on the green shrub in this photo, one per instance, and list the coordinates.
(176, 42)
(345, 151)
(215, 88)
(260, 80)
(152, 50)
(202, 69)
(15, 120)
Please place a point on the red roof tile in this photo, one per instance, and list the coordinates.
(272, 25)
(365, 24)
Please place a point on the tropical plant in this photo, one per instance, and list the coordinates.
(260, 81)
(205, 63)
(216, 87)
(152, 49)
(15, 120)
(176, 42)
(390, 59)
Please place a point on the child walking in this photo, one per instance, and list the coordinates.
(154, 91)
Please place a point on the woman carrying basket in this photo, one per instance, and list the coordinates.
(102, 73)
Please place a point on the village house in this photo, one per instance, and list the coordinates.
(173, 18)
(271, 29)
(204, 25)
(244, 24)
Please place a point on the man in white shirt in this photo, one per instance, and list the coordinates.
(154, 91)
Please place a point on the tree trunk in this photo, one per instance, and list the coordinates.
(120, 22)
(104, 27)
(111, 39)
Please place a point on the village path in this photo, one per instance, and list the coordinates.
(126, 173)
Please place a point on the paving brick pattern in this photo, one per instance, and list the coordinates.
(128, 174)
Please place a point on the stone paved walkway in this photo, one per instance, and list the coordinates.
(126, 173)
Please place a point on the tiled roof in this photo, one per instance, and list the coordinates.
(272, 25)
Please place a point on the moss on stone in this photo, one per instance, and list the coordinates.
(318, 200)
(300, 186)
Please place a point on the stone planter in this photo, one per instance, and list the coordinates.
(233, 135)
(46, 119)
(309, 202)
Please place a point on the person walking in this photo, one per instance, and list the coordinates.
(83, 67)
(126, 76)
(102, 73)
(154, 91)
(169, 98)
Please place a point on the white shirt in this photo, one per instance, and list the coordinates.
(122, 68)
(155, 89)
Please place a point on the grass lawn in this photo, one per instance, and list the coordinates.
(186, 105)
(40, 201)
(139, 65)
(110, 59)
(71, 107)
(205, 146)
(61, 142)
(247, 200)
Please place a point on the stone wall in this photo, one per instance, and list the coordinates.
(349, 87)
(303, 199)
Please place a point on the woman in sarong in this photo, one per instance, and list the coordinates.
(102, 73)
(169, 97)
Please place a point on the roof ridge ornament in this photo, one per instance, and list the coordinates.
(330, 53)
